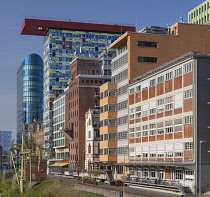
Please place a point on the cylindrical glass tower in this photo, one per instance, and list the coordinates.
(29, 92)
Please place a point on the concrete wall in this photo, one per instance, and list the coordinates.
(104, 191)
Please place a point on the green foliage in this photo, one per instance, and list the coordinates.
(14, 192)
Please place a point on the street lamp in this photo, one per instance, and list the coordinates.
(83, 165)
(201, 141)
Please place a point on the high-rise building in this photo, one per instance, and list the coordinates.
(29, 92)
(62, 42)
(200, 14)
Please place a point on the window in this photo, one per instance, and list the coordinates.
(110, 122)
(122, 120)
(145, 110)
(138, 88)
(122, 150)
(169, 103)
(189, 175)
(147, 59)
(188, 94)
(179, 154)
(132, 134)
(152, 107)
(169, 126)
(145, 155)
(160, 128)
(131, 91)
(188, 119)
(161, 174)
(160, 105)
(152, 82)
(178, 125)
(138, 132)
(131, 114)
(188, 67)
(160, 79)
(147, 44)
(122, 135)
(152, 173)
(122, 90)
(122, 105)
(145, 172)
(144, 85)
(160, 102)
(138, 112)
(178, 174)
(152, 129)
(169, 76)
(178, 72)
(145, 131)
(169, 154)
(188, 146)
(178, 101)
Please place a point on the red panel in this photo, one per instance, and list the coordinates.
(64, 47)
(64, 38)
(40, 27)
(70, 46)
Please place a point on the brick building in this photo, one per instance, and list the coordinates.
(83, 94)
(168, 121)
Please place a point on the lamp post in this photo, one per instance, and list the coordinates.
(83, 166)
(201, 141)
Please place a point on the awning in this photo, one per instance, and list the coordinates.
(59, 164)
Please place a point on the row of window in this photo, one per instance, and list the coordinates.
(119, 62)
(179, 174)
(108, 136)
(160, 150)
(120, 76)
(168, 76)
(88, 64)
(199, 10)
(160, 128)
(160, 105)
(108, 93)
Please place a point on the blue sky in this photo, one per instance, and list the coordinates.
(15, 47)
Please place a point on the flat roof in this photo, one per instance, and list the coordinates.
(40, 27)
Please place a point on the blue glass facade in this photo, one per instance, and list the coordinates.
(29, 92)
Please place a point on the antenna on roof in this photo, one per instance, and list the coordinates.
(180, 19)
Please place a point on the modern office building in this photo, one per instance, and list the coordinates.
(29, 92)
(200, 14)
(62, 42)
(92, 146)
(168, 122)
(138, 53)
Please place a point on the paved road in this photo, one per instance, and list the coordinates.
(140, 190)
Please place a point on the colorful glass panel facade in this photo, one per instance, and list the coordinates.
(60, 48)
